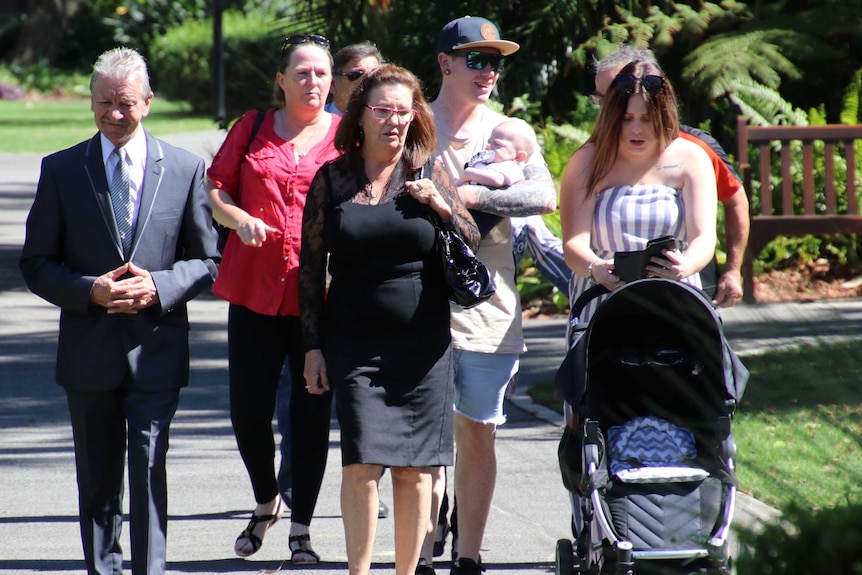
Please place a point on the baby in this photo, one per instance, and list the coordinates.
(501, 163)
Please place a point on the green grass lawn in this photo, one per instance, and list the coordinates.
(50, 125)
(799, 428)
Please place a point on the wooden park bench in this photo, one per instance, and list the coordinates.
(784, 219)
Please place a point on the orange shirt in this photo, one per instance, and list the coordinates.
(726, 180)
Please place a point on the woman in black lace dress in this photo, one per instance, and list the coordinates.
(380, 337)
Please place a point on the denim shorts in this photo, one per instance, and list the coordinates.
(480, 384)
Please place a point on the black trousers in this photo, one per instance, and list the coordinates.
(257, 347)
(104, 424)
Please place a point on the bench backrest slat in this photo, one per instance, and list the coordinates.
(786, 180)
(807, 179)
(765, 174)
(835, 137)
(850, 159)
(829, 176)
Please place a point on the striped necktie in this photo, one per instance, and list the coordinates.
(121, 200)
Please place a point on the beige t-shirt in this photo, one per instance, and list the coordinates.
(493, 326)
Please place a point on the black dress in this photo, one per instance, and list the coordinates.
(385, 325)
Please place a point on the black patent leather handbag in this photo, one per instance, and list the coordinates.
(468, 281)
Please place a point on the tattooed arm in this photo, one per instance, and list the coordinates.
(536, 194)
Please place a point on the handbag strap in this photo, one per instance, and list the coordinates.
(589, 295)
(258, 120)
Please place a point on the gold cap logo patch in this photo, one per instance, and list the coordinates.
(488, 32)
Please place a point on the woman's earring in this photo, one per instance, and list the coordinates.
(446, 72)
(361, 133)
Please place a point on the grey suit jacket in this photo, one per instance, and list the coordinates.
(72, 239)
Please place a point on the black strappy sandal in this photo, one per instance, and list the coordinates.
(301, 552)
(248, 532)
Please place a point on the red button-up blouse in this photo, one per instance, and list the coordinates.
(269, 184)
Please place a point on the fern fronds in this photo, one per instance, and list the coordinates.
(764, 106)
(851, 112)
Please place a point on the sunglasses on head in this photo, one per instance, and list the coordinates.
(478, 60)
(297, 39)
(353, 75)
(651, 84)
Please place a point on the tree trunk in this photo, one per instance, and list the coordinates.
(44, 30)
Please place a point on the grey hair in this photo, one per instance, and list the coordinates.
(120, 63)
(626, 54)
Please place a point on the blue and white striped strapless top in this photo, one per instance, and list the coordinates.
(625, 219)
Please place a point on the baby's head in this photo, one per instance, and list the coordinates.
(513, 140)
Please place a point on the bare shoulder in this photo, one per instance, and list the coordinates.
(682, 149)
(581, 159)
(577, 171)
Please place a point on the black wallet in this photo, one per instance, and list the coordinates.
(631, 266)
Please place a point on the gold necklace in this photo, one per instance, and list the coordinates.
(374, 200)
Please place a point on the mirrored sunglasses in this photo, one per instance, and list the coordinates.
(651, 84)
(383, 114)
(353, 75)
(297, 39)
(478, 60)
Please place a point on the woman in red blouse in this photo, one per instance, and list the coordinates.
(259, 191)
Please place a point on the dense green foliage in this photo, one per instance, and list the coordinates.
(824, 542)
(766, 59)
(250, 54)
(770, 61)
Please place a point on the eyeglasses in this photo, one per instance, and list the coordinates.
(383, 114)
(651, 84)
(478, 60)
(297, 39)
(353, 75)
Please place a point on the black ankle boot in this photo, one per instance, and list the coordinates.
(464, 566)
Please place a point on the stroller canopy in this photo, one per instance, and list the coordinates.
(639, 341)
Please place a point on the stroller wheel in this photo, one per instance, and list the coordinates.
(564, 563)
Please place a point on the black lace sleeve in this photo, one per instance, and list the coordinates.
(462, 221)
(312, 261)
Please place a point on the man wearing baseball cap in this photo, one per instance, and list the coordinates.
(487, 339)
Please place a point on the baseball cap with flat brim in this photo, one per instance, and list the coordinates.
(468, 33)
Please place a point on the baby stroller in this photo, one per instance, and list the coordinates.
(652, 385)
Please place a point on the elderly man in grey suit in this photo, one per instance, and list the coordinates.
(120, 237)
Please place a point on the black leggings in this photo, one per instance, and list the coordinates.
(257, 347)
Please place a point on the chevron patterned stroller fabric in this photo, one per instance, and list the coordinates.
(650, 449)
(648, 456)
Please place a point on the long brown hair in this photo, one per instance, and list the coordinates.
(606, 135)
(421, 135)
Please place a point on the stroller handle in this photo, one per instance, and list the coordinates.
(585, 298)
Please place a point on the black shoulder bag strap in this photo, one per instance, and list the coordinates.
(224, 231)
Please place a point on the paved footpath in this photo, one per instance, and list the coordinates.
(210, 497)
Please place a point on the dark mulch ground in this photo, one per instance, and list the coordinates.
(801, 282)
(808, 281)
